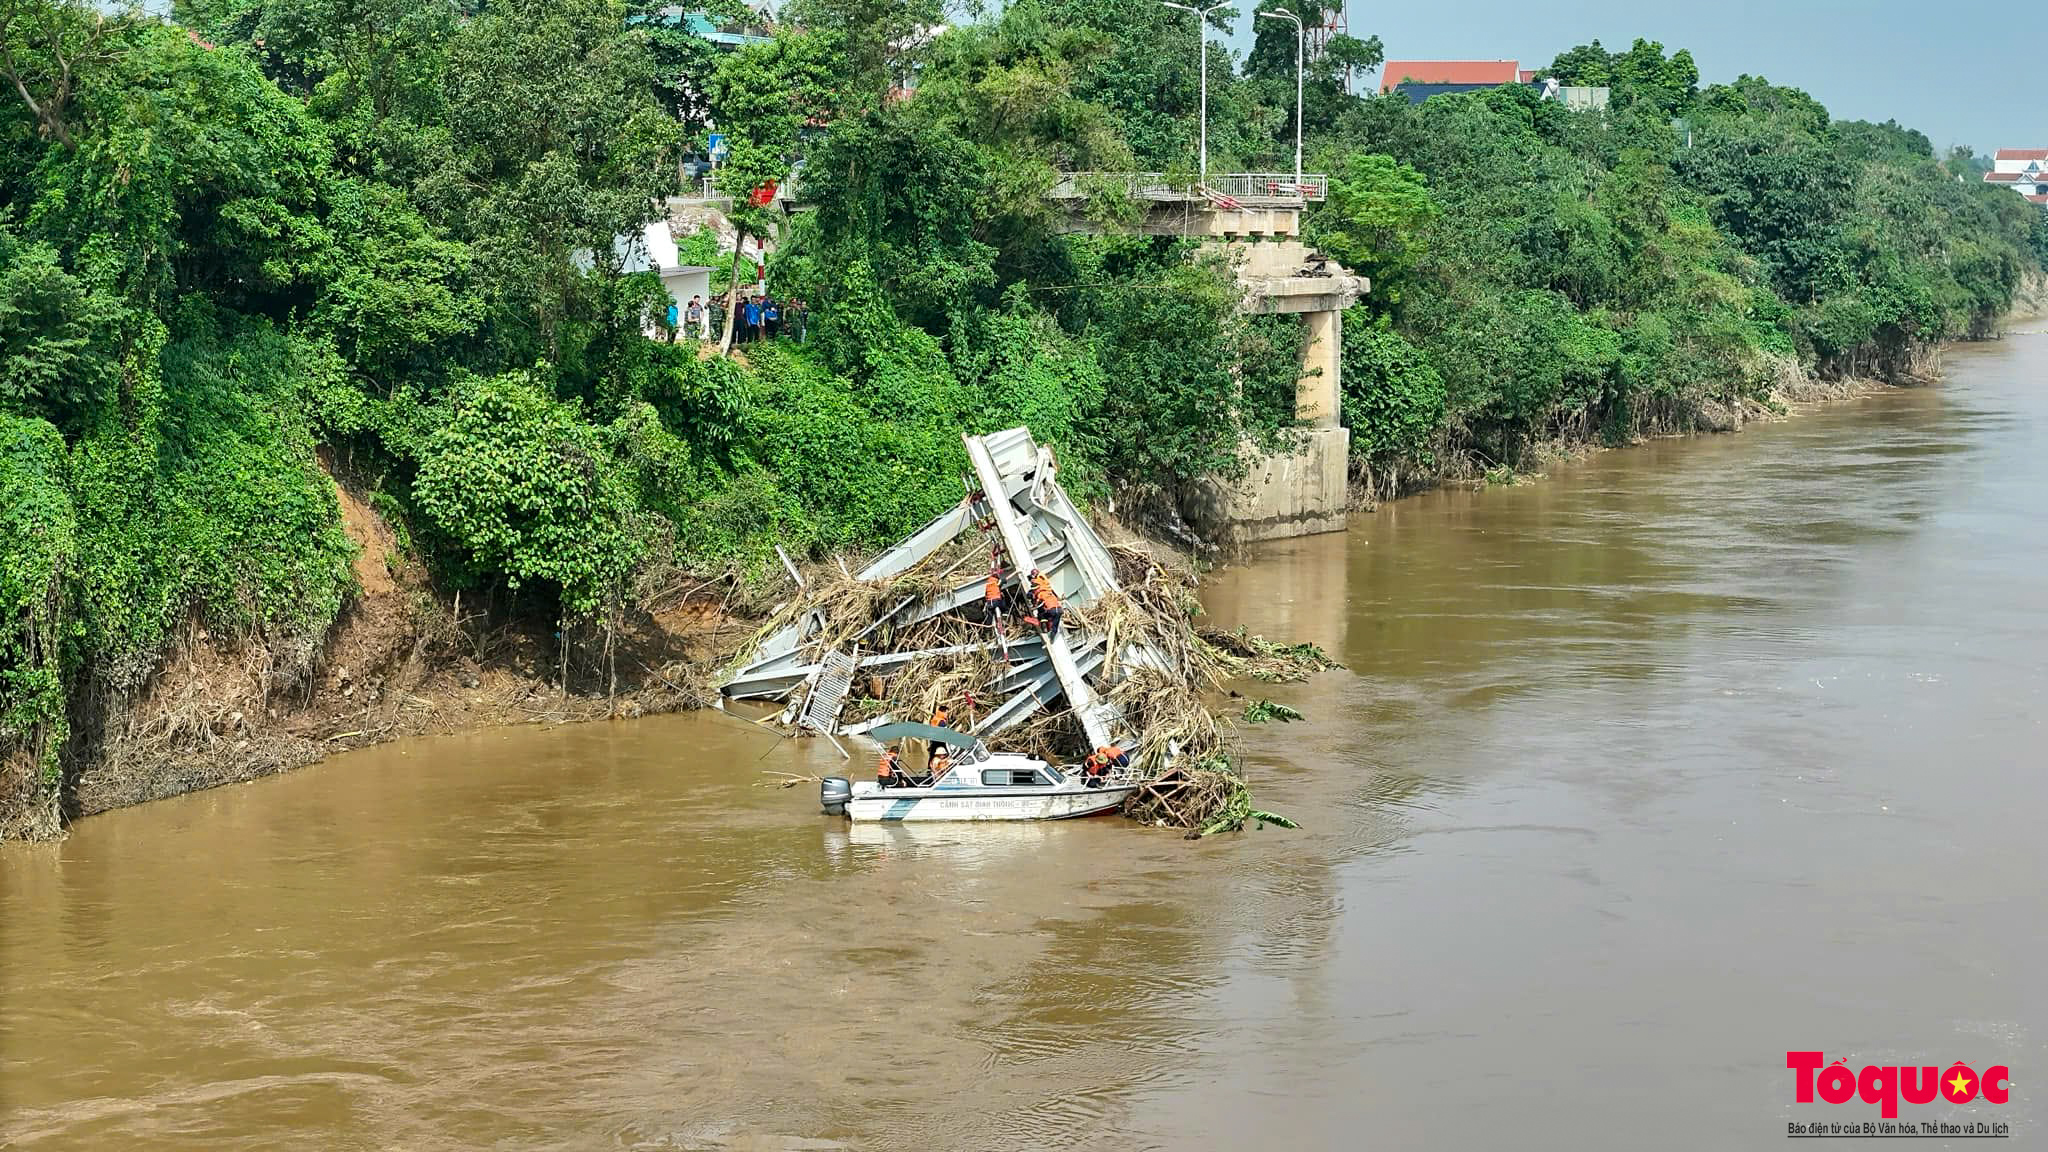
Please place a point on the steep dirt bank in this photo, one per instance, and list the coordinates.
(401, 661)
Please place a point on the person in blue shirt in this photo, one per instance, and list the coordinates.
(751, 329)
(771, 318)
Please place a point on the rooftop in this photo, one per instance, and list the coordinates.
(1475, 72)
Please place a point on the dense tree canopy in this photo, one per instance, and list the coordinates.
(269, 235)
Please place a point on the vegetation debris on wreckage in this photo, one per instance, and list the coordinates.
(1196, 786)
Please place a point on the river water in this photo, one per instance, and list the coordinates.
(1641, 776)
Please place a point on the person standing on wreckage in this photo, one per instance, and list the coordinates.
(1047, 602)
(993, 597)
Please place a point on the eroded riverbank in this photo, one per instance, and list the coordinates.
(1642, 776)
(401, 664)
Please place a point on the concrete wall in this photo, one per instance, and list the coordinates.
(683, 283)
(1202, 221)
(1297, 493)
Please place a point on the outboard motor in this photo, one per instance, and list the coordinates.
(833, 793)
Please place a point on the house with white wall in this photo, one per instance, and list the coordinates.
(654, 250)
(2024, 170)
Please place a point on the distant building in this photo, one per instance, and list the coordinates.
(754, 31)
(2024, 170)
(654, 250)
(1421, 79)
(1579, 98)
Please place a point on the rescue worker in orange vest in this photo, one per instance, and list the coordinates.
(1100, 761)
(940, 716)
(941, 758)
(1047, 601)
(890, 768)
(992, 596)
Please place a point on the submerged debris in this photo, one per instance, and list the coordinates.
(1261, 659)
(1202, 800)
(1262, 711)
(915, 633)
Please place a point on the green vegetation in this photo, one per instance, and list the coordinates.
(385, 233)
(1541, 273)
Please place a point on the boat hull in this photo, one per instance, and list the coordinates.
(918, 805)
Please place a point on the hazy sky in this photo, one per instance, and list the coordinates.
(1963, 71)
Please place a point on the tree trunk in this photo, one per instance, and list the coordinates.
(732, 293)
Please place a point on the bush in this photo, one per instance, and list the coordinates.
(1394, 399)
(520, 485)
(38, 549)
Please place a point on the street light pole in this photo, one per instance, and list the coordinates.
(1202, 34)
(1300, 34)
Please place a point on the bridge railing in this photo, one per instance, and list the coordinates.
(1249, 187)
(1242, 189)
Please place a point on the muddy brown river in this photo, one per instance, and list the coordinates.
(1642, 775)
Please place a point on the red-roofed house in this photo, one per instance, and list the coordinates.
(1430, 77)
(2024, 170)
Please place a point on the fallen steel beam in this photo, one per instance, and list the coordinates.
(1096, 718)
(1037, 694)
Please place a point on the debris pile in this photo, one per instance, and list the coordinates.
(915, 633)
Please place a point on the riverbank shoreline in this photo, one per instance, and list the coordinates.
(400, 663)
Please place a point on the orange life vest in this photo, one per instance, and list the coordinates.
(1094, 765)
(1045, 597)
(886, 770)
(940, 716)
(992, 588)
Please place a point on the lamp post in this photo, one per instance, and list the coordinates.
(1299, 35)
(1202, 34)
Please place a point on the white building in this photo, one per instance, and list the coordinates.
(2024, 170)
(654, 250)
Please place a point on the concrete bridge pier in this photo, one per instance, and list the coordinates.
(1257, 216)
(1306, 491)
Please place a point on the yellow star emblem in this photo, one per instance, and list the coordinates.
(1960, 1084)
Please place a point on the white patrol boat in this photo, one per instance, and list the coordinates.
(979, 785)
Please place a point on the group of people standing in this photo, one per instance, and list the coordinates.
(764, 317)
(761, 317)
